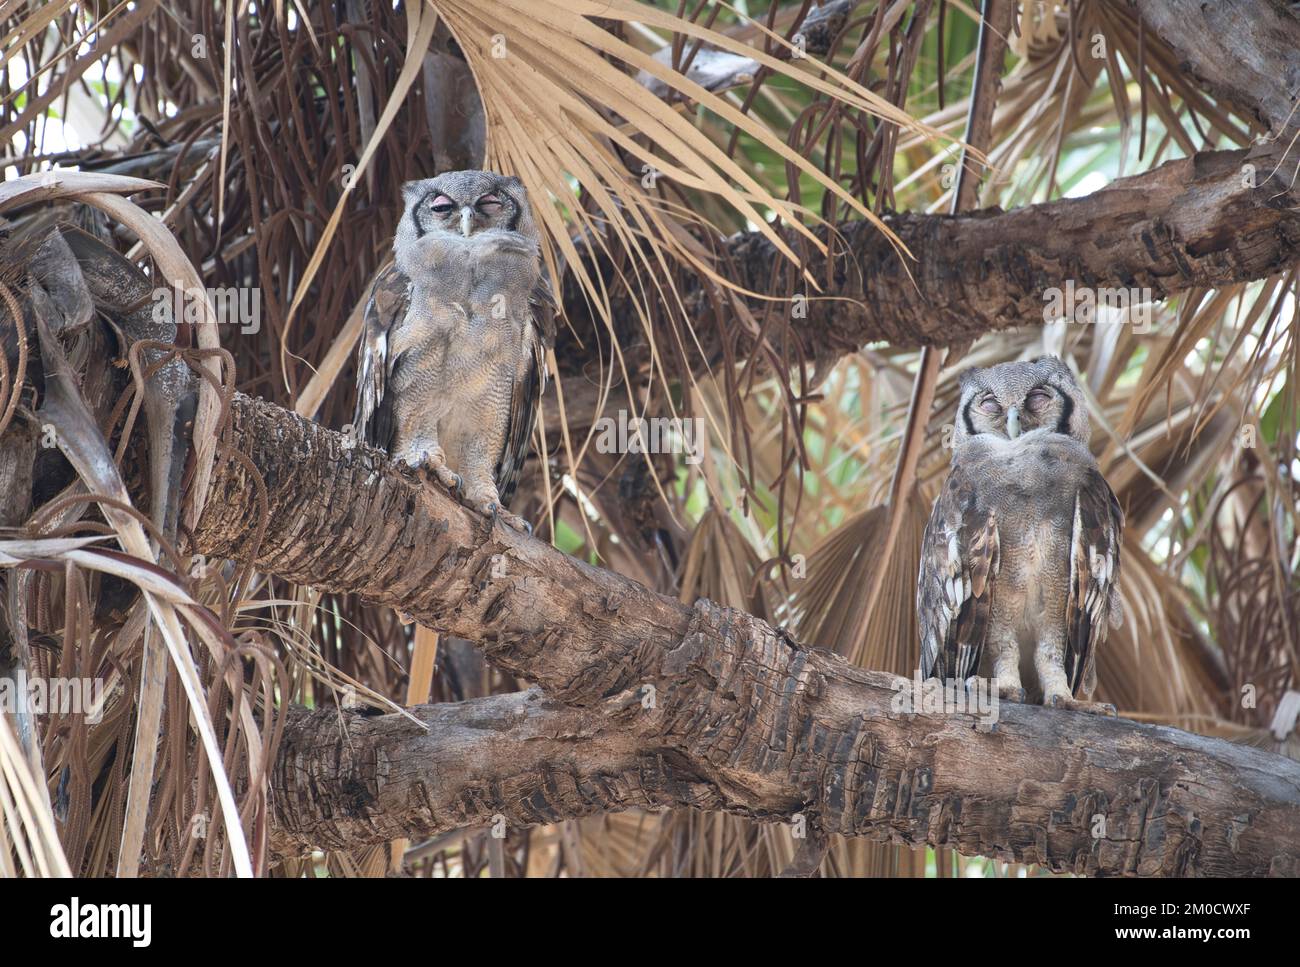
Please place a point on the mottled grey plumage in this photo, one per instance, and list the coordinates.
(453, 357)
(1020, 560)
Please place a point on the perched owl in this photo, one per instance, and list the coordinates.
(1020, 560)
(453, 357)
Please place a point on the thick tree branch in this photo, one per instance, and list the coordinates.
(743, 718)
(1192, 222)
(1087, 795)
(519, 757)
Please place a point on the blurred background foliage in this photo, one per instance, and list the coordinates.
(282, 132)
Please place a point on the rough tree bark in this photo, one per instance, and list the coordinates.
(743, 719)
(1247, 51)
(1191, 222)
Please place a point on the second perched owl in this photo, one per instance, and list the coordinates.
(453, 357)
(1020, 560)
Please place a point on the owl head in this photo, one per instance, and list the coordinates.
(466, 203)
(1011, 399)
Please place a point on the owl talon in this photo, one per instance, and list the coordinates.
(434, 467)
(516, 522)
(488, 508)
(493, 510)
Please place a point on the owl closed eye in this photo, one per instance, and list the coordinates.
(1015, 398)
(463, 203)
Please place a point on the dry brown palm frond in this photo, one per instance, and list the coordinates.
(284, 182)
(28, 829)
(1253, 589)
(163, 625)
(830, 608)
(828, 604)
(168, 602)
(1156, 661)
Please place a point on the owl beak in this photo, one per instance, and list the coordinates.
(1013, 422)
(466, 220)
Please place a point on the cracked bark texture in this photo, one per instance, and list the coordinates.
(517, 759)
(743, 719)
(1247, 51)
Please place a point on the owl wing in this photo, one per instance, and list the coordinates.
(539, 336)
(390, 297)
(1093, 601)
(960, 558)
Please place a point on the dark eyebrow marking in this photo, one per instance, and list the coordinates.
(419, 232)
(1063, 424)
(514, 219)
(965, 415)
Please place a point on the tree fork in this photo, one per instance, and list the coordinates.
(660, 703)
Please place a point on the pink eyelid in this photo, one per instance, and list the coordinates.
(489, 200)
(443, 200)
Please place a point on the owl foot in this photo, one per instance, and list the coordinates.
(1079, 705)
(448, 481)
(435, 465)
(1011, 693)
(496, 512)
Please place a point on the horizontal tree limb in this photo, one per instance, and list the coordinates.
(1213, 219)
(520, 758)
(743, 718)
